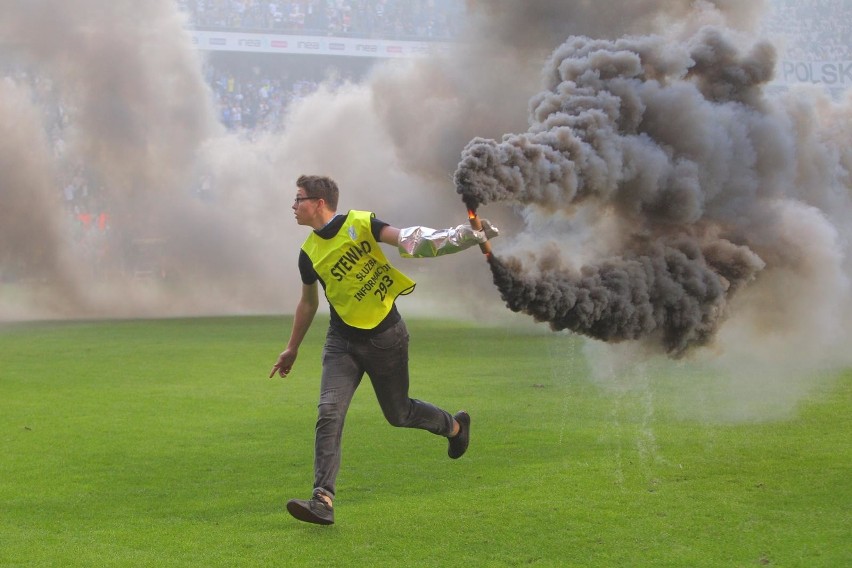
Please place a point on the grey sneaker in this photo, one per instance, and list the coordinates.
(314, 510)
(459, 442)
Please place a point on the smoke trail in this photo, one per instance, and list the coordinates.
(674, 140)
(674, 293)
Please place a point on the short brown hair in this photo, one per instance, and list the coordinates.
(320, 186)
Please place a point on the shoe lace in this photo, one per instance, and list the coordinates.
(319, 498)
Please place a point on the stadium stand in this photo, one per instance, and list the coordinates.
(812, 30)
(814, 42)
(397, 19)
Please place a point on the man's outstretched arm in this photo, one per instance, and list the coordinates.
(423, 242)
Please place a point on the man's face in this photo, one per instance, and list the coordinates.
(304, 207)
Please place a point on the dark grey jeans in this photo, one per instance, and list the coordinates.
(384, 358)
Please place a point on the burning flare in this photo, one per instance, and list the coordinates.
(476, 225)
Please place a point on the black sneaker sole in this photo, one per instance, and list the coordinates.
(304, 514)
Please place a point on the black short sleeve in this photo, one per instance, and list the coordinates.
(306, 269)
(376, 227)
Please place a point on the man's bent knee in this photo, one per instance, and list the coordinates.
(399, 419)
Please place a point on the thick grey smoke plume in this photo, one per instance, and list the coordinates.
(674, 147)
(675, 293)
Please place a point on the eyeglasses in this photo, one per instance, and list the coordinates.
(300, 199)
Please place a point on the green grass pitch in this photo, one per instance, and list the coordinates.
(163, 443)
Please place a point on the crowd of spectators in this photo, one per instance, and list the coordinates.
(255, 102)
(391, 19)
(254, 92)
(812, 30)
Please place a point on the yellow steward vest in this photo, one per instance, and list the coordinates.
(360, 283)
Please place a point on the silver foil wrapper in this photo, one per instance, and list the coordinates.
(423, 242)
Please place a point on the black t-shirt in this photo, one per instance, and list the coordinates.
(309, 276)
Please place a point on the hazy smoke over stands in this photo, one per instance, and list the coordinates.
(135, 109)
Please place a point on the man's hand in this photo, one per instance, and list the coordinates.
(489, 229)
(284, 363)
